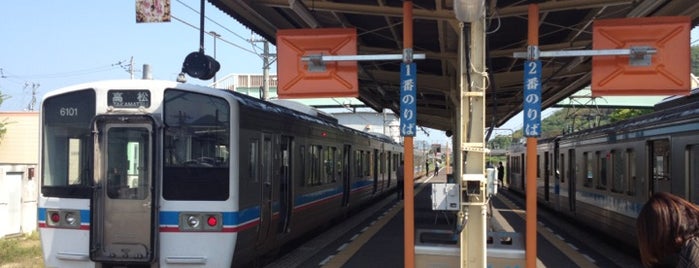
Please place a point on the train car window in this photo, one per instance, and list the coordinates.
(562, 172)
(357, 164)
(369, 164)
(314, 164)
(587, 157)
(302, 159)
(602, 171)
(196, 157)
(618, 171)
(538, 163)
(631, 167)
(693, 173)
(253, 173)
(661, 160)
(328, 165)
(338, 164)
(66, 140)
(266, 163)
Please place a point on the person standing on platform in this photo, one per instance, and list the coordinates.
(436, 167)
(399, 178)
(668, 232)
(501, 173)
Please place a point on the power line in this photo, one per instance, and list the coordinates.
(219, 38)
(220, 25)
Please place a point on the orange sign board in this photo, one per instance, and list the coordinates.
(669, 68)
(337, 79)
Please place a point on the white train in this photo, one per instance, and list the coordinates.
(142, 173)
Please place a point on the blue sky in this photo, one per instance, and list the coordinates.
(60, 43)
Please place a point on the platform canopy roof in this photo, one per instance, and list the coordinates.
(564, 25)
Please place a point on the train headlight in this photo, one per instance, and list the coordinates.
(71, 218)
(193, 221)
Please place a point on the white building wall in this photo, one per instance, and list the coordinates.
(19, 186)
(370, 122)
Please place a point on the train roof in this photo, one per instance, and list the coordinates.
(680, 111)
(318, 117)
(676, 100)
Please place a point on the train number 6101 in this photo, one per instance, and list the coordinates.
(70, 111)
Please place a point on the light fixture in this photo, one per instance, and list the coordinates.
(300, 9)
(469, 10)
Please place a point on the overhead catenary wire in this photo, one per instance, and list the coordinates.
(220, 25)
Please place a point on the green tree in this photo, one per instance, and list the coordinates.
(623, 114)
(500, 142)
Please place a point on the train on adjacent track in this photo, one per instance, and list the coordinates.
(143, 173)
(602, 176)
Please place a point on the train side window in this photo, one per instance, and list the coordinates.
(368, 164)
(602, 169)
(538, 163)
(631, 167)
(328, 165)
(562, 172)
(618, 171)
(314, 159)
(358, 164)
(588, 169)
(338, 164)
(693, 172)
(252, 168)
(302, 159)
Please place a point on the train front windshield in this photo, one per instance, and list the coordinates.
(67, 139)
(196, 146)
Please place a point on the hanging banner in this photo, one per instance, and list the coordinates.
(152, 11)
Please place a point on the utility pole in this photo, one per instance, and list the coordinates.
(266, 62)
(131, 70)
(265, 71)
(32, 103)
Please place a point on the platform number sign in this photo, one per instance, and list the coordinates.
(532, 98)
(408, 106)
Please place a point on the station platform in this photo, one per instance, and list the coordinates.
(380, 242)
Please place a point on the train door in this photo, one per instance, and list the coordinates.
(659, 151)
(285, 183)
(123, 215)
(266, 173)
(346, 152)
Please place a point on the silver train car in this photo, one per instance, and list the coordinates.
(142, 173)
(601, 177)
